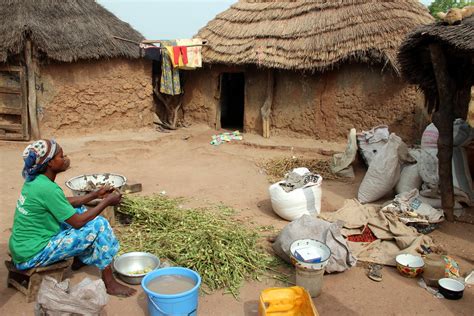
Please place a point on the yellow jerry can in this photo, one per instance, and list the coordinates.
(286, 301)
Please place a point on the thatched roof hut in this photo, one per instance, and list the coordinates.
(62, 70)
(330, 65)
(415, 58)
(439, 59)
(66, 30)
(310, 35)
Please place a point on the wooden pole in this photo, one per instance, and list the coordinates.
(30, 69)
(443, 120)
(267, 105)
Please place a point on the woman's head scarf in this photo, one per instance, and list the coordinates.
(36, 157)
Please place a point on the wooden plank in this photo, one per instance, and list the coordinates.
(10, 90)
(10, 68)
(12, 136)
(218, 96)
(12, 127)
(24, 102)
(10, 110)
(266, 109)
(30, 68)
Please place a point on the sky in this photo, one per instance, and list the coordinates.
(166, 19)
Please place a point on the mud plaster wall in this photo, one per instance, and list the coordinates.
(94, 96)
(324, 106)
(201, 100)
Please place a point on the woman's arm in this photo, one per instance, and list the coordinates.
(79, 220)
(77, 201)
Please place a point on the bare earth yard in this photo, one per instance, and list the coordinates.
(183, 163)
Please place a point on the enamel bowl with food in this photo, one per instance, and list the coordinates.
(409, 265)
(131, 267)
(83, 184)
(309, 254)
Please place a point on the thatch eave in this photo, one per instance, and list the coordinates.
(65, 31)
(310, 35)
(415, 59)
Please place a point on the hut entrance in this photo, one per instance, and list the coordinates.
(13, 105)
(232, 100)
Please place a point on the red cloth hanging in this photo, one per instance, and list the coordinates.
(180, 51)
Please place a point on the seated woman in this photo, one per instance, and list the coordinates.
(47, 228)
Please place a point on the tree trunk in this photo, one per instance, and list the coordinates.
(267, 105)
(30, 69)
(443, 120)
(172, 105)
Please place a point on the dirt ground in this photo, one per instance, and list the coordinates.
(183, 163)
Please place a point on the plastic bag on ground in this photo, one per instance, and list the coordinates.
(58, 299)
(341, 161)
(307, 227)
(383, 173)
(410, 202)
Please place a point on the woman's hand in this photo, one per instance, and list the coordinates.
(79, 220)
(113, 198)
(104, 190)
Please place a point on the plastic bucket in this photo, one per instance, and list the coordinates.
(180, 304)
(311, 280)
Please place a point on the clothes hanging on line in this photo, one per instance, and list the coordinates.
(153, 53)
(180, 51)
(175, 53)
(169, 81)
(193, 52)
(150, 52)
(185, 57)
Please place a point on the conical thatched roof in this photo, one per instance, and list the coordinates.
(310, 35)
(415, 59)
(64, 30)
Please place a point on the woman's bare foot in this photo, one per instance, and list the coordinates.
(77, 264)
(113, 287)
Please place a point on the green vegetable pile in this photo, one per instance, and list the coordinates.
(222, 250)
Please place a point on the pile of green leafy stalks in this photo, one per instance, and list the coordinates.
(222, 250)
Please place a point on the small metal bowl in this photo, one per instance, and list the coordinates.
(409, 265)
(451, 289)
(129, 263)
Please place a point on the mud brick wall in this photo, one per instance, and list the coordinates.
(324, 106)
(93, 96)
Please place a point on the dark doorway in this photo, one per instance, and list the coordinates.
(232, 100)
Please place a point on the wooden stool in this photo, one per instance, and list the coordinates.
(28, 281)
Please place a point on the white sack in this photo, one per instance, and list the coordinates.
(409, 179)
(429, 139)
(371, 142)
(436, 203)
(294, 204)
(383, 172)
